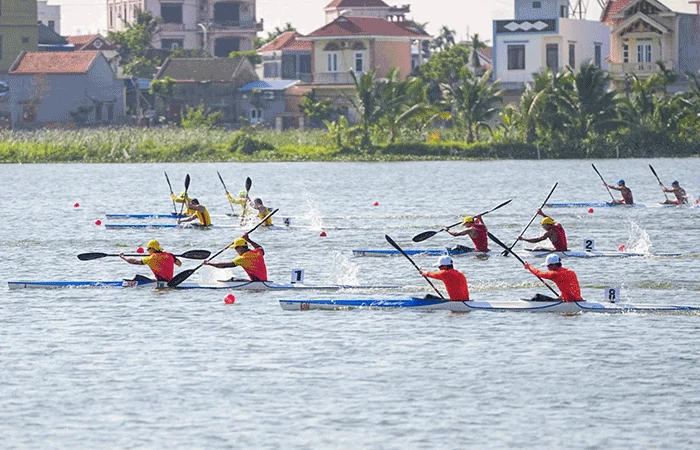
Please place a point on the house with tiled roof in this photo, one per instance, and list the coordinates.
(287, 58)
(90, 42)
(64, 89)
(645, 32)
(545, 35)
(273, 103)
(366, 8)
(212, 82)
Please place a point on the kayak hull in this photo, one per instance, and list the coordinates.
(421, 252)
(231, 285)
(494, 306)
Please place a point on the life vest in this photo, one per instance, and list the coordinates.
(162, 264)
(561, 244)
(253, 262)
(481, 241)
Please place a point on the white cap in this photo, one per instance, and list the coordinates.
(444, 261)
(552, 259)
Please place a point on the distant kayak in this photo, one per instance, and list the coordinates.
(424, 252)
(616, 205)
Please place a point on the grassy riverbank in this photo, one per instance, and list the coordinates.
(123, 145)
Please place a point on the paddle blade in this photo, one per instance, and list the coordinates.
(180, 277)
(196, 254)
(424, 235)
(91, 256)
(187, 182)
(248, 184)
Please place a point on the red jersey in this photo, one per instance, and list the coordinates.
(627, 195)
(253, 262)
(561, 244)
(481, 241)
(162, 265)
(455, 283)
(565, 279)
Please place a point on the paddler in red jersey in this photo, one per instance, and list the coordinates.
(161, 263)
(552, 231)
(565, 279)
(626, 192)
(252, 261)
(678, 191)
(475, 228)
(455, 281)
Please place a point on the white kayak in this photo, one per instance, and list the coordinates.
(230, 285)
(502, 306)
(597, 254)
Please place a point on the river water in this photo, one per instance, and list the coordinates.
(136, 368)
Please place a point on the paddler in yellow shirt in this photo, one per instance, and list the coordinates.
(263, 211)
(181, 199)
(242, 200)
(200, 213)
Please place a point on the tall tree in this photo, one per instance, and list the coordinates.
(476, 45)
(367, 103)
(134, 44)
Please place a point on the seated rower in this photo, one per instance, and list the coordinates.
(678, 191)
(455, 281)
(626, 192)
(475, 228)
(181, 199)
(552, 231)
(252, 261)
(200, 213)
(161, 263)
(565, 279)
(243, 201)
(263, 211)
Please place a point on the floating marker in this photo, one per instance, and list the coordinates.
(323, 234)
(140, 250)
(230, 299)
(622, 248)
(76, 205)
(590, 210)
(375, 204)
(98, 222)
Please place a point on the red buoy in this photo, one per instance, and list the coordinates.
(621, 248)
(590, 210)
(323, 234)
(140, 250)
(230, 299)
(375, 204)
(98, 222)
(76, 205)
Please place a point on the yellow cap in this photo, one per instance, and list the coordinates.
(468, 219)
(240, 242)
(242, 193)
(155, 245)
(548, 221)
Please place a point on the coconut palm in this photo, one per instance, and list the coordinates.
(476, 45)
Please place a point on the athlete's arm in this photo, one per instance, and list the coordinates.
(134, 261)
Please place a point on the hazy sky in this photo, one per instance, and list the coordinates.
(85, 16)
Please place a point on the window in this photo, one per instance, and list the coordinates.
(29, 112)
(170, 12)
(52, 24)
(110, 111)
(255, 115)
(572, 56)
(553, 57)
(644, 53)
(271, 69)
(171, 44)
(111, 17)
(359, 62)
(332, 62)
(304, 63)
(25, 40)
(98, 112)
(563, 11)
(516, 57)
(625, 53)
(536, 5)
(597, 55)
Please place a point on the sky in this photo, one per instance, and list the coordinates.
(463, 16)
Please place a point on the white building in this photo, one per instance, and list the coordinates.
(543, 35)
(219, 27)
(49, 15)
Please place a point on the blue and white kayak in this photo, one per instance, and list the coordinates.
(502, 306)
(422, 252)
(232, 285)
(144, 216)
(597, 254)
(616, 205)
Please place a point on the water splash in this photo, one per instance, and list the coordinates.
(639, 240)
(313, 215)
(344, 271)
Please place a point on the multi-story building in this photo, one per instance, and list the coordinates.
(645, 32)
(543, 35)
(49, 15)
(217, 27)
(18, 30)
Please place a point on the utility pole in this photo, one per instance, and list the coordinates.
(579, 8)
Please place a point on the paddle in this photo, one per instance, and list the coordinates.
(184, 197)
(606, 184)
(191, 254)
(248, 185)
(226, 190)
(505, 252)
(428, 234)
(497, 241)
(182, 276)
(171, 192)
(396, 246)
(661, 185)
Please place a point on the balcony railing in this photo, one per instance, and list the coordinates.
(644, 68)
(332, 78)
(240, 24)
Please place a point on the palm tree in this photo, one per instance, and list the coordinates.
(367, 103)
(473, 101)
(476, 45)
(445, 39)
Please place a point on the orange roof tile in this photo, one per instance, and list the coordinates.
(81, 40)
(286, 41)
(613, 7)
(53, 63)
(357, 4)
(363, 26)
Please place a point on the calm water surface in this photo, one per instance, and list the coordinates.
(135, 368)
